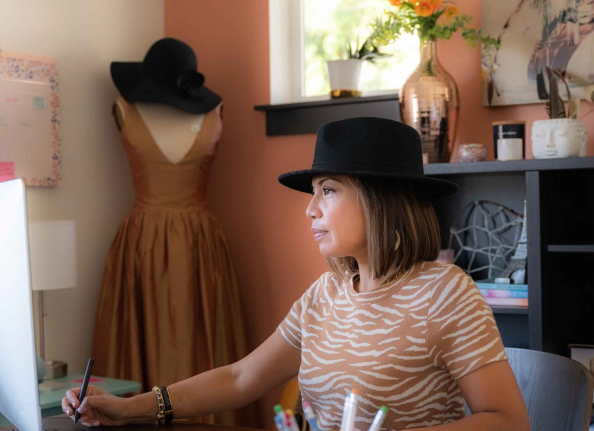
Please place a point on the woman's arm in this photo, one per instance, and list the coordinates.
(495, 400)
(226, 388)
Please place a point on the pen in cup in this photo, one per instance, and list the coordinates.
(310, 416)
(83, 389)
(279, 418)
(379, 419)
(350, 411)
(291, 423)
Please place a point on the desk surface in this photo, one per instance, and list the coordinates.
(52, 391)
(65, 423)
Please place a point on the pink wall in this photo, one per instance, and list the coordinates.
(275, 255)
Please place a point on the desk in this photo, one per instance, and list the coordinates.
(52, 391)
(65, 423)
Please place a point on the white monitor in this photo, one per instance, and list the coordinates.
(19, 396)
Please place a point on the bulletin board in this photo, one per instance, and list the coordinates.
(29, 119)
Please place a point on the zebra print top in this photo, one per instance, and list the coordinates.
(403, 345)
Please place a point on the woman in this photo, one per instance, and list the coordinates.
(406, 331)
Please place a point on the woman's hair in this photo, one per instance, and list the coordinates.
(388, 207)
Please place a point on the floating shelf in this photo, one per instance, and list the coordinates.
(568, 163)
(306, 117)
(497, 309)
(570, 248)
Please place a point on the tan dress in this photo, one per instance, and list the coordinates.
(169, 305)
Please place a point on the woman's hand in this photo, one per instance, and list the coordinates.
(98, 408)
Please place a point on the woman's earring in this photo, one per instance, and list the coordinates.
(397, 241)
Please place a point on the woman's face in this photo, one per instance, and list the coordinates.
(338, 223)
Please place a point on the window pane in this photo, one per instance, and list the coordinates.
(328, 23)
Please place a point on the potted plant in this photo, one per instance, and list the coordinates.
(345, 75)
(429, 98)
(562, 134)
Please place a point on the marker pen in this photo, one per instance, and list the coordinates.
(350, 411)
(279, 418)
(279, 423)
(310, 416)
(379, 419)
(291, 423)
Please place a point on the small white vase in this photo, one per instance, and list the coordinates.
(559, 137)
(345, 77)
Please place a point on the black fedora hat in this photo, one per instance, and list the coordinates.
(370, 147)
(168, 74)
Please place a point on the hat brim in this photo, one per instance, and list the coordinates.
(431, 188)
(135, 87)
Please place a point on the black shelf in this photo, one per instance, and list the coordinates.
(498, 309)
(569, 163)
(560, 228)
(306, 117)
(570, 248)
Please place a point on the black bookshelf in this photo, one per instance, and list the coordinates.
(560, 226)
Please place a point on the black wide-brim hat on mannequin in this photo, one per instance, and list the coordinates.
(370, 147)
(168, 74)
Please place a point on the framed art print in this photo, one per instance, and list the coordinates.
(534, 34)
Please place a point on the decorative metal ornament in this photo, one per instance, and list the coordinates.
(490, 233)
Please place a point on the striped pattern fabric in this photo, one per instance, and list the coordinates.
(403, 345)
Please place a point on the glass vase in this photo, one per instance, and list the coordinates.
(429, 102)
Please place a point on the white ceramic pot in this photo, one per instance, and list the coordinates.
(345, 77)
(559, 137)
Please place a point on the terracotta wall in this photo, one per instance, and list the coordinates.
(274, 252)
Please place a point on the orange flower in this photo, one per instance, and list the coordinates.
(396, 2)
(435, 4)
(423, 8)
(451, 11)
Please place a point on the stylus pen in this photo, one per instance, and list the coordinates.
(83, 389)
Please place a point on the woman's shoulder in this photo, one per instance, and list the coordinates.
(453, 284)
(327, 286)
(442, 271)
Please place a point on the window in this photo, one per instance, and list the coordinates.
(306, 33)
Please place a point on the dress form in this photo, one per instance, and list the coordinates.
(173, 130)
(169, 306)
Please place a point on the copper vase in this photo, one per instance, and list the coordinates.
(429, 102)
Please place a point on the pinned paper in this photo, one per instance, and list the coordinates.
(6, 171)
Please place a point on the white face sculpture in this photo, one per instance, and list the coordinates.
(557, 138)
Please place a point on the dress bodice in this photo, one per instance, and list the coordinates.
(158, 182)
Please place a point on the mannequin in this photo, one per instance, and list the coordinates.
(173, 130)
(169, 306)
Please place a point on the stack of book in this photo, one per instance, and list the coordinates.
(511, 295)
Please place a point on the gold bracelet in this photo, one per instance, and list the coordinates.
(161, 415)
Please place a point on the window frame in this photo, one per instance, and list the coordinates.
(287, 60)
